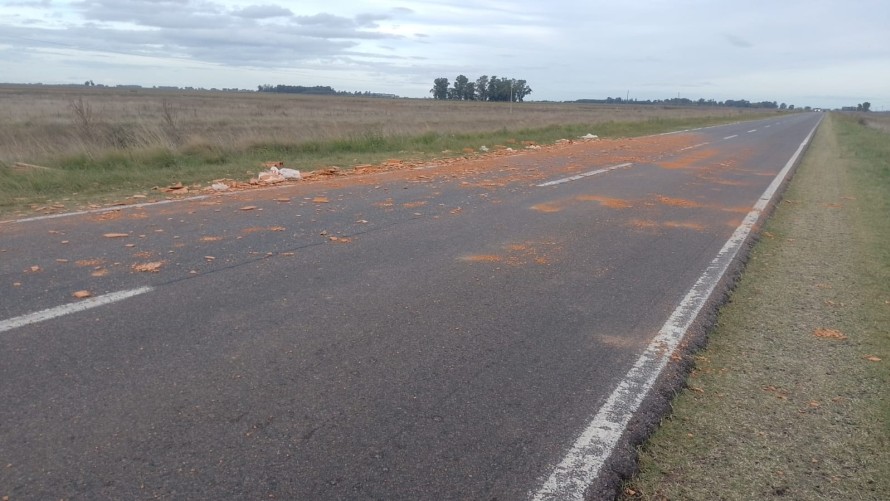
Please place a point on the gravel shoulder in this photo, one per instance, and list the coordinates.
(789, 398)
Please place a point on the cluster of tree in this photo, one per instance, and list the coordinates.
(485, 88)
(318, 90)
(682, 101)
(325, 90)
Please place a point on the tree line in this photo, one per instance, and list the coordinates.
(318, 90)
(866, 106)
(484, 88)
(682, 101)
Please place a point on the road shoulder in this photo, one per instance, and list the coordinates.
(789, 398)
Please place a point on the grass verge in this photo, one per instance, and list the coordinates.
(789, 399)
(119, 173)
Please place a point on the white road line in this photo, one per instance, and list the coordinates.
(582, 464)
(65, 309)
(699, 145)
(767, 126)
(732, 136)
(752, 130)
(104, 209)
(582, 176)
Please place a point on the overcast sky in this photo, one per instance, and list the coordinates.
(826, 53)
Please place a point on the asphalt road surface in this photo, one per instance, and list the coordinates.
(436, 332)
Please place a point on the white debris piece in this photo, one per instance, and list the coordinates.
(270, 176)
(589, 136)
(290, 173)
(483, 148)
(219, 186)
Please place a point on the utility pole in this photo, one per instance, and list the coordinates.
(512, 80)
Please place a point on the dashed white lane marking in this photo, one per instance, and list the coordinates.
(752, 130)
(699, 145)
(582, 176)
(767, 126)
(589, 453)
(65, 309)
(732, 136)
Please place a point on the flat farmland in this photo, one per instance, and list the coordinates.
(107, 142)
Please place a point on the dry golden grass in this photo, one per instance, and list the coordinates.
(42, 123)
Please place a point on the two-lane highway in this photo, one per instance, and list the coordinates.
(450, 332)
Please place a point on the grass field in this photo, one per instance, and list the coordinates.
(114, 142)
(789, 400)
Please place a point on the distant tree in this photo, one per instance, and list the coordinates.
(482, 88)
(790, 107)
(440, 88)
(493, 88)
(470, 91)
(866, 106)
(520, 90)
(783, 106)
(459, 91)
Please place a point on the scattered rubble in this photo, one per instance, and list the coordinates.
(176, 189)
(152, 267)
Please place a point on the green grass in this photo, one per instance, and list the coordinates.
(771, 410)
(103, 177)
(868, 149)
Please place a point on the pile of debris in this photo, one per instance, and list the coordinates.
(275, 174)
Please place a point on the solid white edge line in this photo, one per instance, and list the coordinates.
(582, 464)
(583, 175)
(104, 209)
(65, 309)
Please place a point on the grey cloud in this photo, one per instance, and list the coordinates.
(325, 20)
(207, 31)
(155, 14)
(370, 20)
